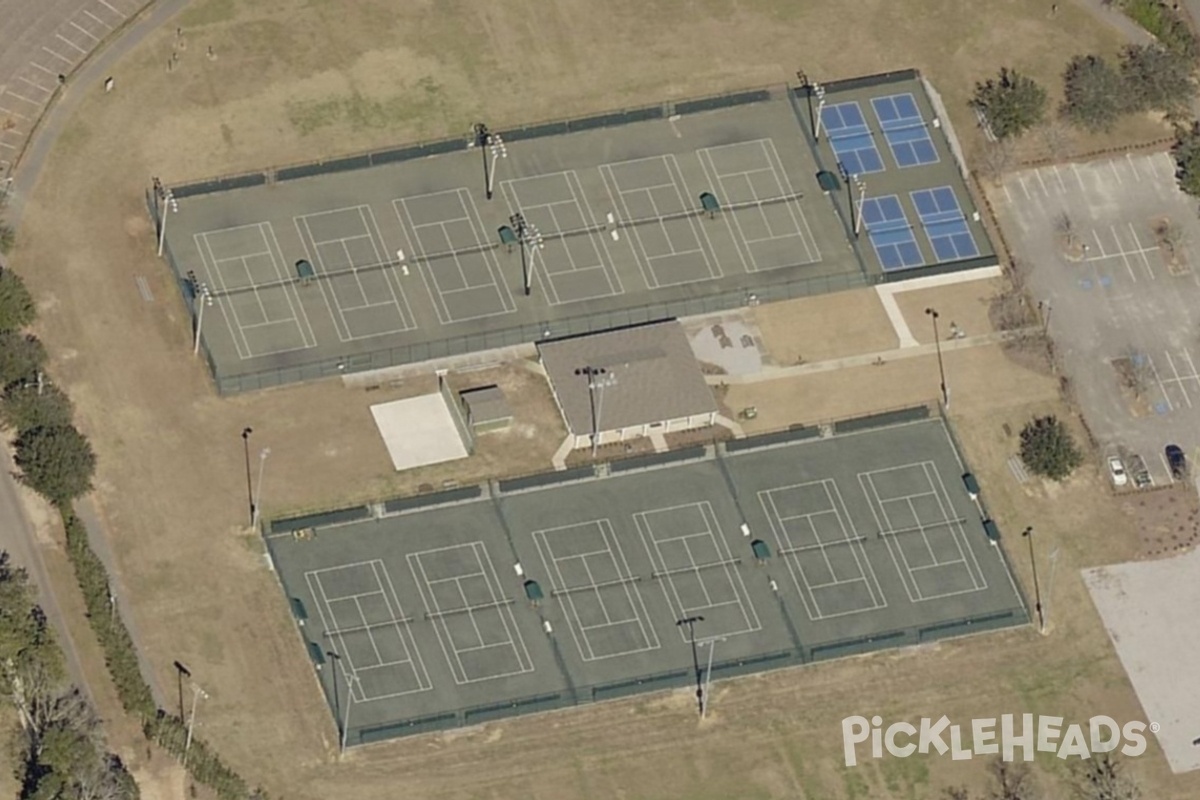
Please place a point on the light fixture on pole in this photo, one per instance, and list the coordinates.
(1037, 589)
(249, 486)
(851, 182)
(181, 673)
(933, 314)
(808, 93)
(262, 465)
(819, 91)
(691, 626)
(712, 647)
(499, 151)
(171, 205)
(597, 378)
(482, 138)
(197, 693)
(203, 300)
(861, 185)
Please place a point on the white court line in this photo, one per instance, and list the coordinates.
(437, 293)
(601, 257)
(732, 577)
(441, 621)
(713, 177)
(226, 301)
(850, 535)
(612, 549)
(879, 506)
(633, 229)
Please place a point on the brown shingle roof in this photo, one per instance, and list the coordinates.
(651, 376)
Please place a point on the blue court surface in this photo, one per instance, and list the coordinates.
(904, 129)
(944, 223)
(890, 233)
(851, 139)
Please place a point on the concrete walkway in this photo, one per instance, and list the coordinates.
(868, 359)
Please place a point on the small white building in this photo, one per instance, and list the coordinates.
(628, 383)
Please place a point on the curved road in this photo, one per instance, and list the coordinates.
(17, 535)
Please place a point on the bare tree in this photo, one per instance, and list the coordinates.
(1013, 781)
(1065, 227)
(1134, 370)
(1055, 137)
(1172, 236)
(996, 158)
(1104, 778)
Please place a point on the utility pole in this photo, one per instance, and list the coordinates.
(691, 625)
(170, 206)
(197, 693)
(262, 465)
(249, 486)
(482, 138)
(937, 341)
(182, 672)
(1037, 589)
(203, 299)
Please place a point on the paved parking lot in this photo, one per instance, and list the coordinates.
(1119, 303)
(42, 40)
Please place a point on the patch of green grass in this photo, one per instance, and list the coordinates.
(208, 13)
(855, 783)
(903, 776)
(311, 115)
(423, 101)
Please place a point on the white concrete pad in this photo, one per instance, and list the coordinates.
(1149, 610)
(418, 431)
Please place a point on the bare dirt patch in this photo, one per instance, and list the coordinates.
(826, 327)
(960, 306)
(1168, 519)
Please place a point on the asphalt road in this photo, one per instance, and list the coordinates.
(17, 534)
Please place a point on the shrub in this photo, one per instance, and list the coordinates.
(24, 408)
(1048, 448)
(1011, 103)
(17, 308)
(1094, 94)
(56, 462)
(21, 356)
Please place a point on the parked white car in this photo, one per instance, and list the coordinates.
(1116, 471)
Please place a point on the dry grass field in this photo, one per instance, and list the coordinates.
(299, 79)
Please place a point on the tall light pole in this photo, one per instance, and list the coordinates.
(937, 341)
(170, 206)
(853, 181)
(691, 625)
(597, 378)
(197, 693)
(181, 672)
(1037, 589)
(203, 299)
(712, 647)
(249, 486)
(343, 719)
(262, 465)
(499, 151)
(483, 137)
(527, 236)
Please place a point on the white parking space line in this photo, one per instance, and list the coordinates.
(84, 31)
(72, 44)
(49, 72)
(59, 56)
(97, 19)
(1161, 386)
